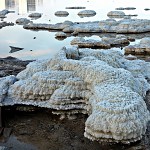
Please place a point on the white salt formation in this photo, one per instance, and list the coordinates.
(5, 82)
(100, 83)
(104, 26)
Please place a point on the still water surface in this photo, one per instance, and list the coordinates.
(45, 44)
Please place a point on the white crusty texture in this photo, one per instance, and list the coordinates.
(5, 82)
(100, 83)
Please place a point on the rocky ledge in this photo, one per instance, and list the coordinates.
(76, 81)
(104, 42)
(105, 26)
(142, 48)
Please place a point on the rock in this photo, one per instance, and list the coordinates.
(87, 13)
(82, 43)
(60, 34)
(116, 14)
(61, 13)
(4, 24)
(77, 80)
(23, 21)
(4, 12)
(35, 15)
(130, 57)
(146, 9)
(104, 43)
(139, 49)
(76, 7)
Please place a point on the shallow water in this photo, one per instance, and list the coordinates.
(42, 44)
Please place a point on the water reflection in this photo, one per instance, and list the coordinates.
(23, 6)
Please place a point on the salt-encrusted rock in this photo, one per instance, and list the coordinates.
(61, 13)
(60, 34)
(87, 13)
(77, 80)
(142, 48)
(5, 83)
(130, 57)
(104, 43)
(91, 43)
(75, 7)
(23, 21)
(116, 14)
(104, 26)
(35, 15)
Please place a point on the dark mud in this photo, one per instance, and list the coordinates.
(38, 129)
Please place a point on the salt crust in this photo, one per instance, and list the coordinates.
(100, 83)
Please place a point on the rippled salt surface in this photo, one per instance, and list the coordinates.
(44, 45)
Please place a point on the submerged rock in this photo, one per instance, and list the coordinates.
(139, 49)
(77, 80)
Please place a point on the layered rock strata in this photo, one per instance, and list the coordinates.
(105, 26)
(100, 83)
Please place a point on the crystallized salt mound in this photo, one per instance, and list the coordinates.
(100, 83)
(118, 116)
